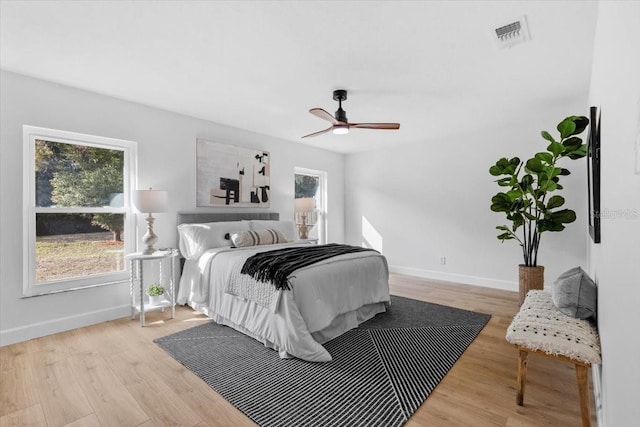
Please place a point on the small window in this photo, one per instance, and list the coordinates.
(78, 223)
(312, 184)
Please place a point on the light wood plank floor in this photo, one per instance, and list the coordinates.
(112, 374)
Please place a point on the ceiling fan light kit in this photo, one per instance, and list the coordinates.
(340, 130)
(339, 123)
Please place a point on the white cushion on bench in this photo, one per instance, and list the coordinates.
(539, 325)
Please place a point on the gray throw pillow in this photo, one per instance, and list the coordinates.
(575, 294)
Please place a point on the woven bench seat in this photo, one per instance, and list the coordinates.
(540, 328)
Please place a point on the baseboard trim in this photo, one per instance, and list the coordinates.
(41, 329)
(457, 278)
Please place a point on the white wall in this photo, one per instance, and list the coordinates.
(166, 160)
(432, 199)
(615, 263)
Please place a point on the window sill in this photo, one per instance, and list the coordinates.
(35, 292)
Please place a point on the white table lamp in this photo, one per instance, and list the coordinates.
(148, 201)
(304, 206)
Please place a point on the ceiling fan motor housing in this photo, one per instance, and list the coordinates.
(340, 95)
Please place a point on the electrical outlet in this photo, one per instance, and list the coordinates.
(443, 260)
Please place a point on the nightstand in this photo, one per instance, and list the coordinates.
(136, 276)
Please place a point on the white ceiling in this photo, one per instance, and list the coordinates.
(260, 66)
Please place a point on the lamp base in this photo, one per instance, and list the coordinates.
(302, 228)
(302, 231)
(149, 250)
(149, 238)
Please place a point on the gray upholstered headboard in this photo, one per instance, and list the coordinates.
(197, 217)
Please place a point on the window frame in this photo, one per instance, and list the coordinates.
(30, 135)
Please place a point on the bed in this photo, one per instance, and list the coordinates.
(325, 299)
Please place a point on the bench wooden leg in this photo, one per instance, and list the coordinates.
(522, 376)
(583, 391)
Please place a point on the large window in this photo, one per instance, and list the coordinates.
(78, 224)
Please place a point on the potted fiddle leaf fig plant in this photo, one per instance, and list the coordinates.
(529, 197)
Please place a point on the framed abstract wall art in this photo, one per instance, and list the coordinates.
(229, 175)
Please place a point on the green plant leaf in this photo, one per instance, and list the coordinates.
(578, 153)
(548, 225)
(499, 167)
(495, 207)
(500, 203)
(555, 202)
(527, 181)
(556, 148)
(572, 143)
(581, 123)
(554, 172)
(556, 180)
(504, 166)
(505, 236)
(534, 165)
(546, 135)
(523, 203)
(563, 216)
(518, 220)
(567, 127)
(546, 185)
(496, 170)
(545, 157)
(514, 194)
(504, 182)
(565, 172)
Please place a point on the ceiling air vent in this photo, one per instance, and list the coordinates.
(511, 33)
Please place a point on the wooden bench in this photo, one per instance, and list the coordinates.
(540, 328)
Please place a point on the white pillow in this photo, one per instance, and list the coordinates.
(195, 239)
(287, 228)
(261, 237)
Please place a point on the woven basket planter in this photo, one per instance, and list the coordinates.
(530, 278)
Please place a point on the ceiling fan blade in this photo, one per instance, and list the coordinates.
(319, 132)
(319, 112)
(391, 126)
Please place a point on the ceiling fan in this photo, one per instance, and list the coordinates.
(339, 124)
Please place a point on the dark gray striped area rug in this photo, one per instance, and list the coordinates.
(380, 374)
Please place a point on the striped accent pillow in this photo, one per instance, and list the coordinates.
(260, 237)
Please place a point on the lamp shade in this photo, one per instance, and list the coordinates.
(305, 204)
(150, 201)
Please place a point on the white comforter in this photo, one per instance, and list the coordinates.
(326, 300)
